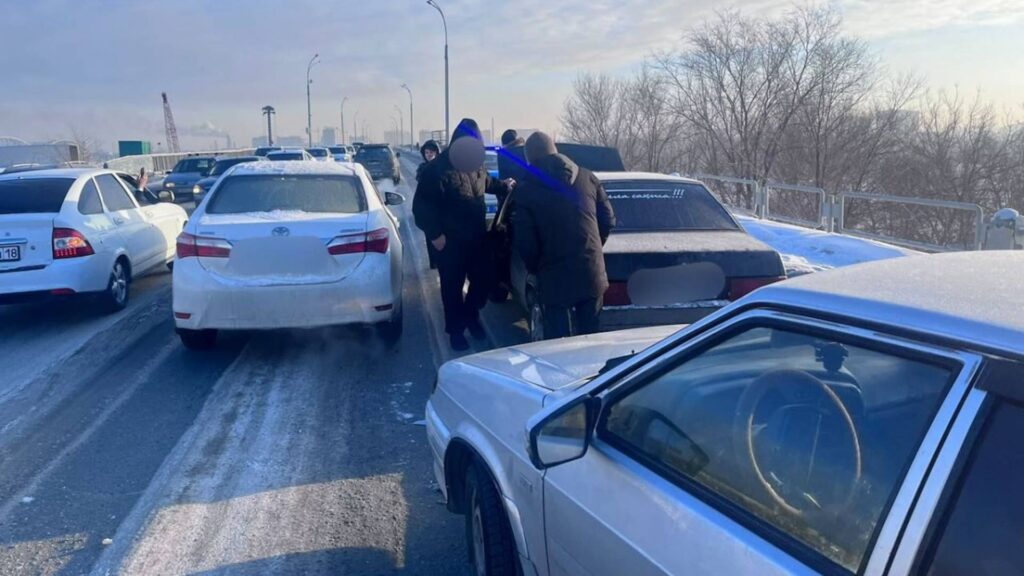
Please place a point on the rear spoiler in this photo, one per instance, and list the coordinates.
(593, 158)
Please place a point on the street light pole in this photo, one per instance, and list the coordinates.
(343, 100)
(309, 105)
(355, 126)
(401, 124)
(447, 117)
(412, 141)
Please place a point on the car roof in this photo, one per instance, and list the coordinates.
(55, 173)
(308, 167)
(969, 297)
(240, 158)
(653, 176)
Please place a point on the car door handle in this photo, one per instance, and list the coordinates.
(118, 221)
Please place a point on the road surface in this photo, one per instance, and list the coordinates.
(285, 452)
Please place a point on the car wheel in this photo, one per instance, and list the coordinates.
(391, 331)
(115, 297)
(536, 319)
(492, 549)
(198, 339)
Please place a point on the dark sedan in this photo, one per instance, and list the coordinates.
(380, 161)
(203, 186)
(186, 173)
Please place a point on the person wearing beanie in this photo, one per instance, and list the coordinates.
(429, 151)
(449, 207)
(562, 219)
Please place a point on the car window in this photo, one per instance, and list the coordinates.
(201, 165)
(652, 205)
(809, 433)
(981, 532)
(333, 194)
(33, 195)
(375, 153)
(317, 152)
(222, 165)
(114, 195)
(286, 156)
(89, 199)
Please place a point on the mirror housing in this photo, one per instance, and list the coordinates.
(165, 196)
(563, 435)
(393, 199)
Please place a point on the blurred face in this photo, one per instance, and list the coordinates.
(429, 154)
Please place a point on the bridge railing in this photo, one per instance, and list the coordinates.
(159, 163)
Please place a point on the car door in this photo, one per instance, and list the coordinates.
(163, 228)
(136, 232)
(772, 444)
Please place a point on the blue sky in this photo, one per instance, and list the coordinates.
(98, 67)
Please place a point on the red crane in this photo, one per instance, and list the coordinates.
(169, 128)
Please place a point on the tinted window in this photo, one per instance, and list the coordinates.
(222, 165)
(983, 531)
(277, 156)
(651, 205)
(264, 150)
(808, 433)
(89, 199)
(338, 150)
(194, 165)
(114, 195)
(376, 153)
(33, 195)
(334, 194)
(318, 152)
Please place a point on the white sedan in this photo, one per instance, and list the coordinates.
(289, 245)
(865, 420)
(67, 232)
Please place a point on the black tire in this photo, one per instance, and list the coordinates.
(391, 331)
(198, 339)
(488, 533)
(115, 297)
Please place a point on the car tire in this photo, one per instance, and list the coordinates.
(115, 297)
(198, 339)
(391, 331)
(492, 548)
(535, 317)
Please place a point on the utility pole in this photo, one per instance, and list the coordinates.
(447, 116)
(268, 111)
(343, 100)
(412, 129)
(309, 105)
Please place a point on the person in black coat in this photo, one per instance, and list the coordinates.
(449, 207)
(561, 221)
(429, 151)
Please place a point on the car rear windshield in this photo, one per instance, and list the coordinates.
(288, 192)
(222, 165)
(317, 152)
(644, 205)
(286, 156)
(338, 150)
(375, 153)
(33, 195)
(194, 165)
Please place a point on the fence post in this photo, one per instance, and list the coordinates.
(760, 199)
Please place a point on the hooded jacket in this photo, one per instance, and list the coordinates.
(561, 221)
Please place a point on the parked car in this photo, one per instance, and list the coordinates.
(320, 154)
(864, 420)
(675, 255)
(219, 168)
(262, 151)
(289, 154)
(380, 161)
(342, 153)
(184, 176)
(80, 232)
(288, 245)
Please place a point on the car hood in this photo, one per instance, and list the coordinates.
(554, 364)
(183, 178)
(208, 182)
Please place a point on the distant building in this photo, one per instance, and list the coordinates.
(52, 153)
(328, 137)
(133, 147)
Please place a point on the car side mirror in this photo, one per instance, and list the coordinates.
(393, 198)
(165, 196)
(564, 435)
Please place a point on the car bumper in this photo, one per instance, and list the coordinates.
(87, 274)
(438, 436)
(212, 303)
(632, 316)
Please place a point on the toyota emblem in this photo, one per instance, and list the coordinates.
(280, 231)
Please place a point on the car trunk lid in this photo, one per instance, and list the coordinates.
(25, 241)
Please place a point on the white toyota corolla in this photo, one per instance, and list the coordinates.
(289, 245)
(71, 232)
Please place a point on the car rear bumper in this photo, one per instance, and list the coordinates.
(438, 436)
(632, 316)
(86, 274)
(210, 303)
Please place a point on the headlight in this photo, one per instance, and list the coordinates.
(168, 184)
(196, 189)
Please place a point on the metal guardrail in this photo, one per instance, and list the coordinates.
(820, 209)
(978, 211)
(158, 163)
(756, 196)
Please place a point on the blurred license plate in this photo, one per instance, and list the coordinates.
(10, 253)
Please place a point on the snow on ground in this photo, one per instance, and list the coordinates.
(804, 250)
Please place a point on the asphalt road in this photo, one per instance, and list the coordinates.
(284, 452)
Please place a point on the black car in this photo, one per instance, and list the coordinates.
(262, 151)
(380, 161)
(182, 180)
(203, 186)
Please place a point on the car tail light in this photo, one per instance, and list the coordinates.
(617, 295)
(740, 287)
(203, 247)
(376, 241)
(68, 243)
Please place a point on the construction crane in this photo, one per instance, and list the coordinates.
(169, 128)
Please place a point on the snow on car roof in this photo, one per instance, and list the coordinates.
(612, 176)
(55, 173)
(294, 167)
(972, 297)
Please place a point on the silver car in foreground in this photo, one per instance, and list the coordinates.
(859, 421)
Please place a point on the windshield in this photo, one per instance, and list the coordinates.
(33, 196)
(222, 165)
(662, 206)
(276, 156)
(338, 150)
(328, 194)
(201, 165)
(318, 152)
(375, 153)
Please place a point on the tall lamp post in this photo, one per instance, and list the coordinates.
(444, 21)
(412, 132)
(355, 126)
(401, 124)
(343, 100)
(269, 111)
(309, 105)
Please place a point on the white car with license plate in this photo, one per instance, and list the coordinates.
(865, 420)
(75, 232)
(289, 245)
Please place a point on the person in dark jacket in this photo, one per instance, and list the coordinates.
(449, 207)
(562, 219)
(429, 151)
